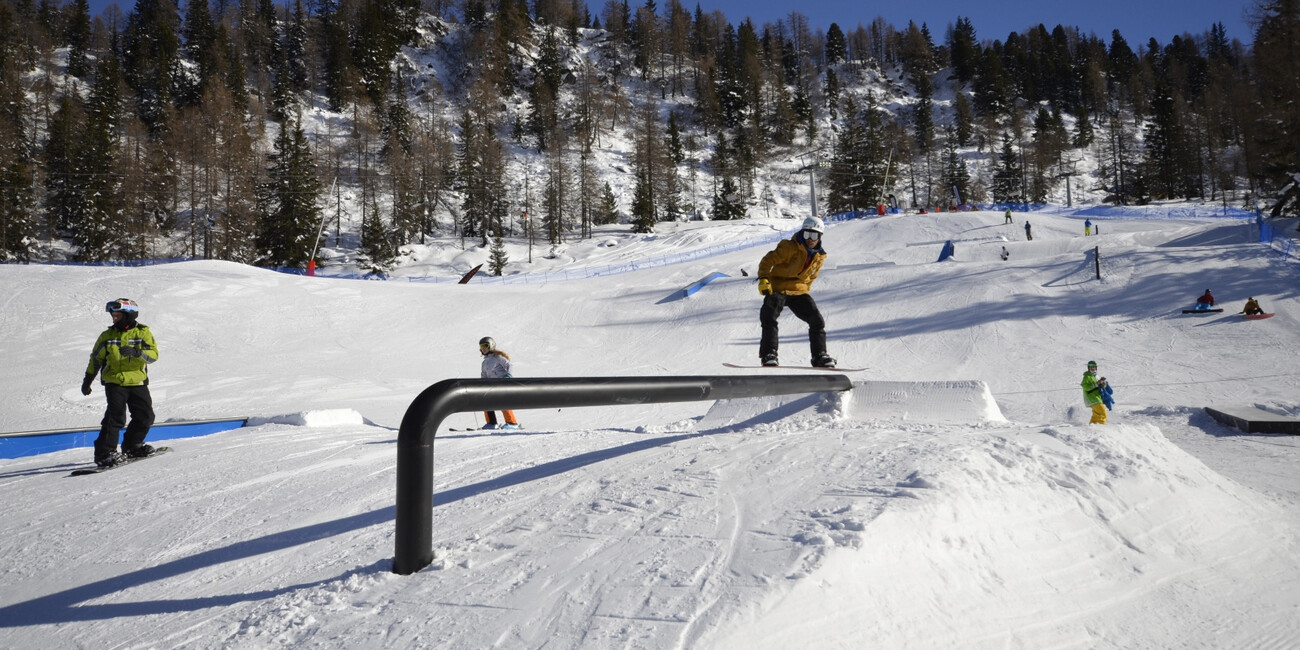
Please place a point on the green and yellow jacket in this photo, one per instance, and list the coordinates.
(791, 267)
(107, 357)
(1091, 392)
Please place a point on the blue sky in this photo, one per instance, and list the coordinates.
(1137, 20)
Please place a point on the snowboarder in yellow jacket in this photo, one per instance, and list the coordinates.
(121, 358)
(785, 276)
(1092, 394)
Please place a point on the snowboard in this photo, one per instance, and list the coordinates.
(122, 463)
(1258, 316)
(762, 367)
(1202, 311)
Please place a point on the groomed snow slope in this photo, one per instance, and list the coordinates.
(819, 522)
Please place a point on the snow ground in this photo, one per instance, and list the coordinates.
(956, 498)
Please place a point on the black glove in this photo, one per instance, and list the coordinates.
(130, 352)
(85, 384)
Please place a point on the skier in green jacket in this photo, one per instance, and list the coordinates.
(1092, 394)
(121, 358)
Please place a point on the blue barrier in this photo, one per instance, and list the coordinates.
(31, 443)
(699, 284)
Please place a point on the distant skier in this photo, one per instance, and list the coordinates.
(1092, 394)
(1252, 307)
(121, 358)
(1206, 301)
(785, 276)
(496, 365)
(1029, 234)
(1006, 217)
(1087, 227)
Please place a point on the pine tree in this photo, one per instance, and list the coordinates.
(17, 163)
(97, 220)
(837, 49)
(1007, 175)
(150, 54)
(77, 34)
(497, 256)
(956, 177)
(607, 209)
(376, 252)
(727, 202)
(287, 205)
(1276, 51)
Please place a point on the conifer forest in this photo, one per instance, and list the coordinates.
(258, 131)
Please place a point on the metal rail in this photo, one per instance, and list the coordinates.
(413, 540)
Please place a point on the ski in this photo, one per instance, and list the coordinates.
(1202, 311)
(125, 461)
(760, 367)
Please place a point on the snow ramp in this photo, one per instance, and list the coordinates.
(923, 401)
(935, 402)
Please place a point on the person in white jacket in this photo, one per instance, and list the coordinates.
(496, 365)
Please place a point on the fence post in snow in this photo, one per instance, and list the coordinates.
(1096, 258)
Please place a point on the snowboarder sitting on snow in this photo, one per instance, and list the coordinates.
(1092, 394)
(1252, 307)
(785, 276)
(1005, 254)
(121, 358)
(1205, 301)
(496, 365)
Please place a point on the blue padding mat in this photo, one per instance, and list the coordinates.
(31, 443)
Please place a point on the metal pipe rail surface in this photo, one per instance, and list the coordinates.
(413, 539)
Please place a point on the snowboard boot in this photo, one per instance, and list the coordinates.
(510, 426)
(109, 460)
(823, 361)
(139, 451)
(770, 359)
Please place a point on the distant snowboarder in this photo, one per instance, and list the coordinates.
(1029, 234)
(1087, 227)
(1007, 217)
(1005, 254)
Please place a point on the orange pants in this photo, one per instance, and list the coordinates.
(491, 417)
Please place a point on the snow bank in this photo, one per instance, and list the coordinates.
(325, 418)
(1035, 538)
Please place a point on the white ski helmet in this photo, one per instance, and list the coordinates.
(814, 223)
(125, 305)
(487, 344)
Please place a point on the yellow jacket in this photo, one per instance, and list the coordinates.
(791, 267)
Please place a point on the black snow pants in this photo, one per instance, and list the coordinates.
(802, 306)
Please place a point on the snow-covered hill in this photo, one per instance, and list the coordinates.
(818, 522)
